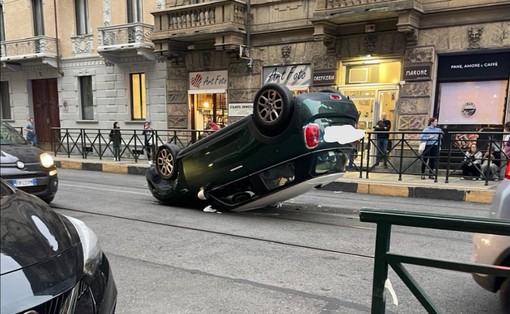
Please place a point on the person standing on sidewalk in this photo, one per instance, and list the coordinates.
(430, 135)
(383, 126)
(116, 139)
(147, 134)
(30, 129)
(506, 141)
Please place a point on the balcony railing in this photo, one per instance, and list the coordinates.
(125, 36)
(30, 48)
(121, 43)
(201, 21)
(333, 4)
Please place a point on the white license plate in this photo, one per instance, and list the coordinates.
(24, 182)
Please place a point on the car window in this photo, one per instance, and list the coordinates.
(9, 135)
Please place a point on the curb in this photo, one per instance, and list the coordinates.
(452, 194)
(102, 166)
(373, 188)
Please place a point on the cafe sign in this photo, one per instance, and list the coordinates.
(208, 80)
(420, 72)
(296, 75)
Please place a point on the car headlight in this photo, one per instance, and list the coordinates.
(92, 253)
(46, 160)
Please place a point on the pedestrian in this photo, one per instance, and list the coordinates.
(383, 127)
(116, 139)
(506, 141)
(31, 135)
(472, 161)
(489, 167)
(431, 136)
(147, 134)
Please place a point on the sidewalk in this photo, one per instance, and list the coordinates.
(377, 183)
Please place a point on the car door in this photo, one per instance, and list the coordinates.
(217, 161)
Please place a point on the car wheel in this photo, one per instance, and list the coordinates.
(272, 108)
(166, 161)
(504, 296)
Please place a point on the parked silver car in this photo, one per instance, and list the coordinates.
(495, 249)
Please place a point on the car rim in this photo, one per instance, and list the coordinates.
(270, 106)
(165, 162)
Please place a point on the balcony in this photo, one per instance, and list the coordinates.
(334, 17)
(341, 11)
(220, 23)
(126, 42)
(32, 50)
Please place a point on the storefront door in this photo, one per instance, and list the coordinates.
(207, 108)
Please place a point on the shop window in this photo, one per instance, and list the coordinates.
(138, 103)
(385, 72)
(86, 100)
(5, 101)
(472, 103)
(209, 108)
(37, 16)
(82, 23)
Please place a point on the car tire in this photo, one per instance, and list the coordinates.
(272, 108)
(504, 296)
(166, 161)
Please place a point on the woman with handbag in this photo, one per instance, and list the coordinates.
(431, 136)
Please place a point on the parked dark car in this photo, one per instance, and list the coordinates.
(50, 263)
(495, 249)
(288, 146)
(25, 166)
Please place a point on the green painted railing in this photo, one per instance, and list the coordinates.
(385, 219)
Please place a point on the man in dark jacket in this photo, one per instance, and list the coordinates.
(383, 126)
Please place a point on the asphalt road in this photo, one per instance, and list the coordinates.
(312, 255)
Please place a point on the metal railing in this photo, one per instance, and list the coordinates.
(402, 154)
(88, 143)
(383, 257)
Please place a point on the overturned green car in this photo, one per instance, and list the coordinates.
(288, 146)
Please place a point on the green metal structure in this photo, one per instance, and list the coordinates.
(383, 258)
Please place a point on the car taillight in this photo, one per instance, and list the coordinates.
(507, 172)
(311, 134)
(334, 96)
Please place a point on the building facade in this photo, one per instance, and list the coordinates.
(81, 64)
(191, 62)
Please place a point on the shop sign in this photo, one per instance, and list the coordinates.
(417, 72)
(208, 80)
(240, 109)
(291, 75)
(475, 66)
(324, 77)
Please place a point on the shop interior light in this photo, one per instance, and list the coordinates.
(206, 104)
(374, 61)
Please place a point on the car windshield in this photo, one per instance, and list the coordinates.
(9, 135)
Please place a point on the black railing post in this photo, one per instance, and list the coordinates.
(382, 246)
(83, 145)
(449, 158)
(402, 139)
(362, 156)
